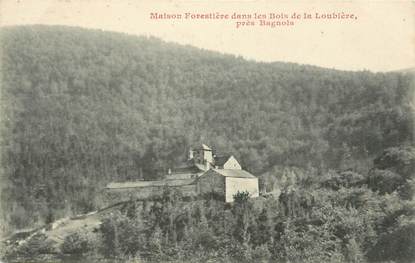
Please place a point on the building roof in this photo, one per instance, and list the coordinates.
(141, 184)
(205, 147)
(177, 176)
(193, 168)
(201, 167)
(221, 160)
(234, 173)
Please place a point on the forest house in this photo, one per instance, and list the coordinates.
(203, 173)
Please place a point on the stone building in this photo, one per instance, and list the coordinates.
(227, 182)
(203, 173)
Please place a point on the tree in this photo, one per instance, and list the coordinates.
(242, 210)
(394, 171)
(397, 246)
(110, 237)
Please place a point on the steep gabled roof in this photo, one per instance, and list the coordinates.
(141, 184)
(221, 160)
(234, 173)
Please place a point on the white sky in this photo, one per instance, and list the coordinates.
(381, 39)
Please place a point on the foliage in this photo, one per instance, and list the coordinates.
(397, 246)
(77, 243)
(343, 179)
(34, 246)
(394, 171)
(81, 108)
(319, 223)
(121, 236)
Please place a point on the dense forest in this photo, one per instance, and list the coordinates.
(81, 108)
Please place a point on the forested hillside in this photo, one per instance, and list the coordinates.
(81, 108)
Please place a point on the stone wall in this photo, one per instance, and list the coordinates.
(234, 184)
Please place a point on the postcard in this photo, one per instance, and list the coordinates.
(207, 131)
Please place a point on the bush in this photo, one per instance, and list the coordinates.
(397, 246)
(36, 245)
(76, 243)
(261, 254)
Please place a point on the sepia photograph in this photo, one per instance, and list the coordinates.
(207, 131)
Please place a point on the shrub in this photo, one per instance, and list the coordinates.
(261, 254)
(38, 244)
(397, 246)
(76, 243)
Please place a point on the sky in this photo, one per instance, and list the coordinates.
(382, 38)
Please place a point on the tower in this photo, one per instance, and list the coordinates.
(203, 155)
